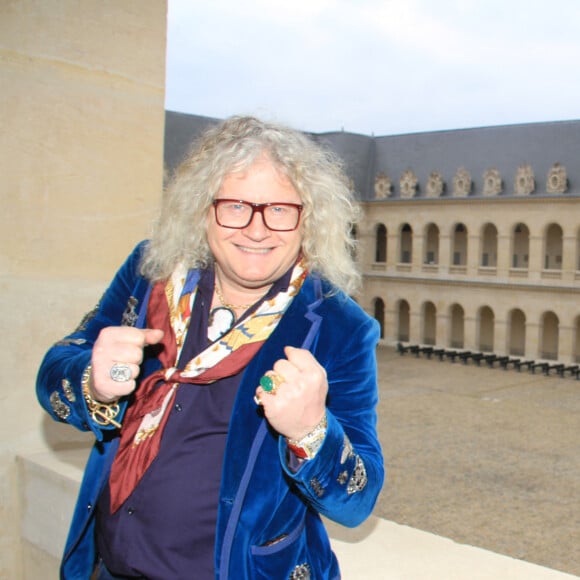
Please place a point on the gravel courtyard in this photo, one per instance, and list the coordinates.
(486, 457)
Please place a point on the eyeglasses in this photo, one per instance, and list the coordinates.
(237, 214)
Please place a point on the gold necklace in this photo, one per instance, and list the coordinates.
(228, 305)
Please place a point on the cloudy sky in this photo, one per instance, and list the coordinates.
(378, 67)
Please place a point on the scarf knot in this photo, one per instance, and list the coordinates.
(170, 373)
(169, 309)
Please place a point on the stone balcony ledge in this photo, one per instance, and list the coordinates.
(378, 549)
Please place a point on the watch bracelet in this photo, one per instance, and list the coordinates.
(321, 426)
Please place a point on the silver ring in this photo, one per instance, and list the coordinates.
(121, 373)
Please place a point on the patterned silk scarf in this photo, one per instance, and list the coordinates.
(169, 309)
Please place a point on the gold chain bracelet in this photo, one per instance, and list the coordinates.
(102, 413)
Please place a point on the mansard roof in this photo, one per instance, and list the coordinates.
(539, 147)
(181, 130)
(505, 148)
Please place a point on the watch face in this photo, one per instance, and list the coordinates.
(221, 320)
(312, 444)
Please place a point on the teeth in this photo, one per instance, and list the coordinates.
(254, 250)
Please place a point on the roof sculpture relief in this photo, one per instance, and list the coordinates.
(462, 183)
(557, 180)
(383, 186)
(408, 184)
(492, 182)
(525, 182)
(435, 185)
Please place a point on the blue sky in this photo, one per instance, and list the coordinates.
(378, 67)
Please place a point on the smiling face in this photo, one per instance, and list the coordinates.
(252, 258)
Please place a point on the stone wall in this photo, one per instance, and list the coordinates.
(81, 159)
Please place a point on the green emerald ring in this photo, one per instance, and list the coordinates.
(266, 383)
(270, 382)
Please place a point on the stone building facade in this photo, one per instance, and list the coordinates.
(477, 247)
(470, 238)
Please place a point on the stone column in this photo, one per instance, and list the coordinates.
(444, 253)
(533, 341)
(470, 333)
(366, 249)
(418, 251)
(443, 329)
(415, 326)
(504, 258)
(473, 254)
(391, 328)
(566, 339)
(393, 249)
(569, 258)
(500, 346)
(536, 258)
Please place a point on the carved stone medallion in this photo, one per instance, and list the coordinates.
(557, 181)
(435, 185)
(525, 182)
(462, 183)
(408, 184)
(383, 186)
(492, 184)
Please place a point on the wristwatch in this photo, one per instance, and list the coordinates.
(308, 446)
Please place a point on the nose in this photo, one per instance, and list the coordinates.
(257, 229)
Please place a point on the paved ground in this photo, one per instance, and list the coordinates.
(486, 457)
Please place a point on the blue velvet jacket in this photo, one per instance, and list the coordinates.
(261, 499)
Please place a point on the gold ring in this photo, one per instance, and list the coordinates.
(257, 400)
(270, 382)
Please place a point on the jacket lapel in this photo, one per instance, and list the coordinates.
(298, 326)
(299, 322)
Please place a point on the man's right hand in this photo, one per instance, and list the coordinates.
(122, 345)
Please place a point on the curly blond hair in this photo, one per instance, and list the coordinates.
(328, 218)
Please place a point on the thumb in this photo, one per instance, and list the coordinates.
(152, 335)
